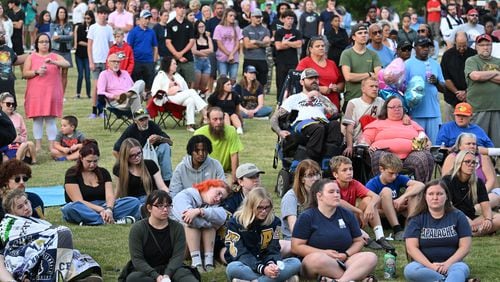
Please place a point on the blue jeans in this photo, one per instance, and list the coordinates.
(76, 212)
(242, 271)
(415, 271)
(163, 152)
(262, 112)
(228, 70)
(202, 65)
(82, 65)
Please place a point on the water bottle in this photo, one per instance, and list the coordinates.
(390, 264)
(428, 71)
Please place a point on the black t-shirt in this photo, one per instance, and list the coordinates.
(227, 105)
(153, 255)
(460, 197)
(180, 34)
(17, 35)
(287, 56)
(89, 193)
(81, 35)
(142, 136)
(161, 35)
(135, 187)
(453, 65)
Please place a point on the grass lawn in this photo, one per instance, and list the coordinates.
(109, 244)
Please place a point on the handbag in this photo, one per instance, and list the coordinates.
(149, 152)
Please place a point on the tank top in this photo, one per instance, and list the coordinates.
(201, 47)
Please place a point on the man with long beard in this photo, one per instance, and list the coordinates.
(226, 143)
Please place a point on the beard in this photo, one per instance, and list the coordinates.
(313, 86)
(217, 133)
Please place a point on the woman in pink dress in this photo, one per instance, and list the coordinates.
(44, 91)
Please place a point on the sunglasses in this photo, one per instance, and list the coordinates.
(10, 104)
(422, 30)
(18, 178)
(376, 32)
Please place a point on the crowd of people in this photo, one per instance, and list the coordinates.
(370, 85)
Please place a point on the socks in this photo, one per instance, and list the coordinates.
(397, 228)
(209, 259)
(379, 232)
(196, 258)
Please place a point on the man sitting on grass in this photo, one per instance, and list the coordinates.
(366, 211)
(397, 192)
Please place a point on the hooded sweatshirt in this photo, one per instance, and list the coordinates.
(190, 198)
(185, 175)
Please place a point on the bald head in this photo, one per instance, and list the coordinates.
(461, 41)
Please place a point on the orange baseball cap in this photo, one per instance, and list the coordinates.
(463, 109)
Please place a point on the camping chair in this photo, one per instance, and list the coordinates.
(169, 110)
(114, 115)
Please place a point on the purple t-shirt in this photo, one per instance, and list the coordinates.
(228, 35)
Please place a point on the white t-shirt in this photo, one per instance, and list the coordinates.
(52, 8)
(102, 36)
(308, 108)
(356, 108)
(79, 12)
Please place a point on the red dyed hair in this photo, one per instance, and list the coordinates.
(208, 184)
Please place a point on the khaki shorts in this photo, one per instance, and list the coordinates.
(31, 26)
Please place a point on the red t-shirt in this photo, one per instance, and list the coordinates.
(353, 191)
(327, 75)
(434, 17)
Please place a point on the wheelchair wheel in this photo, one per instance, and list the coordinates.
(283, 182)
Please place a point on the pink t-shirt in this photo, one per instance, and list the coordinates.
(111, 85)
(20, 125)
(121, 20)
(228, 36)
(353, 191)
(392, 135)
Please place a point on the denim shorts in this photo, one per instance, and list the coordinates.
(202, 65)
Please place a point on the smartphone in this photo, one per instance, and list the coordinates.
(341, 264)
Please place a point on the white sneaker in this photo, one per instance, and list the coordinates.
(294, 278)
(126, 220)
(239, 130)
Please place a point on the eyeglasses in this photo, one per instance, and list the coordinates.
(470, 162)
(10, 104)
(114, 62)
(18, 178)
(376, 32)
(313, 175)
(43, 42)
(136, 155)
(395, 107)
(266, 208)
(422, 30)
(163, 207)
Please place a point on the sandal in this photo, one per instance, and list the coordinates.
(370, 278)
(473, 280)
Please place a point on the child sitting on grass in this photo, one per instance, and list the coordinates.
(68, 140)
(367, 209)
(397, 192)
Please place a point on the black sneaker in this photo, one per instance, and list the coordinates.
(384, 244)
(371, 244)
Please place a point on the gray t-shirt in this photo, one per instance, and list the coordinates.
(289, 207)
(255, 33)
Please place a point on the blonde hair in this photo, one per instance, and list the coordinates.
(10, 198)
(391, 161)
(456, 171)
(337, 161)
(245, 215)
(123, 172)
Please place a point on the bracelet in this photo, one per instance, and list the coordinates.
(36, 72)
(346, 254)
(369, 74)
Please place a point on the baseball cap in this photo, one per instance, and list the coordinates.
(463, 109)
(484, 37)
(358, 27)
(309, 72)
(404, 43)
(423, 41)
(251, 68)
(256, 13)
(140, 113)
(247, 170)
(145, 14)
(472, 12)
(269, 3)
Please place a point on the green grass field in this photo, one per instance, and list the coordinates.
(109, 244)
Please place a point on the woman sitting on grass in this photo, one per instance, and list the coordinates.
(252, 243)
(157, 245)
(324, 258)
(35, 250)
(229, 101)
(467, 190)
(20, 148)
(13, 176)
(198, 210)
(252, 95)
(438, 237)
(135, 176)
(89, 195)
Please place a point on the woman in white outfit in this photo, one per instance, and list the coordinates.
(177, 91)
